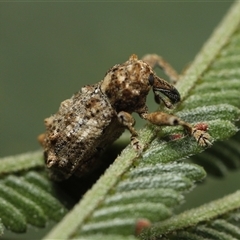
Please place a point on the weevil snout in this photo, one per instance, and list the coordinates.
(172, 94)
(159, 85)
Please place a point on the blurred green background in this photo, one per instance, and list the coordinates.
(50, 50)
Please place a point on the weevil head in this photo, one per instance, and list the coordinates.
(127, 85)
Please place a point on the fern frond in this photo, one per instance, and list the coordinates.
(1, 228)
(28, 200)
(217, 226)
(21, 162)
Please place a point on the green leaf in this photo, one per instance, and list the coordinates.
(28, 207)
(218, 227)
(106, 237)
(27, 200)
(192, 217)
(11, 217)
(1, 228)
(21, 162)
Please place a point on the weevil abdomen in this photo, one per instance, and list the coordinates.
(84, 125)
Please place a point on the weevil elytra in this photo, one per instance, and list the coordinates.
(97, 115)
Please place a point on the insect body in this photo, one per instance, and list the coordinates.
(97, 115)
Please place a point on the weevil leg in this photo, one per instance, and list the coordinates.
(155, 60)
(127, 120)
(164, 119)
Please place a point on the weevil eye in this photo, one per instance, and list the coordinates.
(151, 79)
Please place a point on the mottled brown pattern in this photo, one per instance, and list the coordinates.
(127, 85)
(78, 131)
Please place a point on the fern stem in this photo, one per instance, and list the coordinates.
(219, 38)
(195, 216)
(21, 162)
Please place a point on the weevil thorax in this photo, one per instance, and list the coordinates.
(127, 85)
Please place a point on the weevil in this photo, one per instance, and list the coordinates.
(98, 114)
